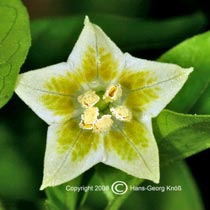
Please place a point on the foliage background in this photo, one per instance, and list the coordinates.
(23, 134)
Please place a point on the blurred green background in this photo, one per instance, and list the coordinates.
(145, 28)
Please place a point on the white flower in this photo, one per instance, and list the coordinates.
(99, 106)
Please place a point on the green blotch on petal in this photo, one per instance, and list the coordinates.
(108, 66)
(77, 142)
(98, 63)
(59, 92)
(141, 88)
(60, 105)
(138, 100)
(129, 141)
(132, 80)
(86, 143)
(88, 70)
(135, 131)
(116, 141)
(67, 135)
(64, 85)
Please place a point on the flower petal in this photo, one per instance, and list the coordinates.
(70, 151)
(49, 91)
(95, 56)
(151, 85)
(133, 149)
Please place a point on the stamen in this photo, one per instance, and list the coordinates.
(103, 124)
(122, 113)
(113, 93)
(89, 117)
(89, 99)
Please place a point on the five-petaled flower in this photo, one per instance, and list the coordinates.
(99, 106)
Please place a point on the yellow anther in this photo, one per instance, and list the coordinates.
(89, 117)
(89, 99)
(121, 113)
(103, 124)
(112, 93)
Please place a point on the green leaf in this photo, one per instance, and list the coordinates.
(180, 136)
(194, 97)
(70, 195)
(14, 45)
(111, 176)
(60, 198)
(176, 190)
(53, 44)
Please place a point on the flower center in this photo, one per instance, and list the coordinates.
(99, 109)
